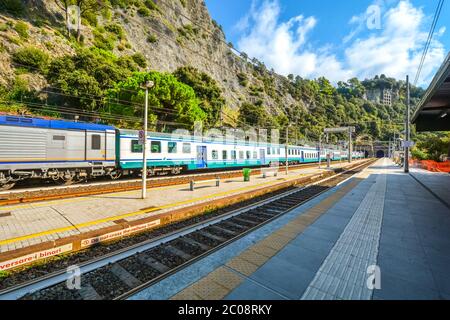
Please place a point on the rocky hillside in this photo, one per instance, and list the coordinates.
(171, 34)
(177, 44)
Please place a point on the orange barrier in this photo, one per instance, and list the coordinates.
(431, 165)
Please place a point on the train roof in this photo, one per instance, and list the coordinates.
(52, 124)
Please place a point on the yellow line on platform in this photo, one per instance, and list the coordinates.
(140, 212)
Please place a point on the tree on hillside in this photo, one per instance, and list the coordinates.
(170, 100)
(206, 89)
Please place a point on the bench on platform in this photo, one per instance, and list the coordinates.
(267, 172)
(194, 183)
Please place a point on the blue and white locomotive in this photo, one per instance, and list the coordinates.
(69, 152)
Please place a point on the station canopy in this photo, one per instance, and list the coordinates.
(433, 113)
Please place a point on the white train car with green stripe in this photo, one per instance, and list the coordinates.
(171, 153)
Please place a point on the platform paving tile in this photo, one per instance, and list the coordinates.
(395, 288)
(291, 282)
(251, 290)
(355, 250)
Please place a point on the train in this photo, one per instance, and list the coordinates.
(68, 152)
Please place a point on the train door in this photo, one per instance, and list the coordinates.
(303, 156)
(201, 157)
(95, 144)
(262, 156)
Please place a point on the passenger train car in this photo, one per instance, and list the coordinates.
(69, 152)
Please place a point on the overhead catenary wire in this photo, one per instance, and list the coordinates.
(72, 111)
(429, 39)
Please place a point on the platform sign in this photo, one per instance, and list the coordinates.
(32, 257)
(408, 144)
(339, 130)
(141, 137)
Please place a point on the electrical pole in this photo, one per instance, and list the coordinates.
(147, 85)
(320, 147)
(350, 145)
(407, 133)
(287, 142)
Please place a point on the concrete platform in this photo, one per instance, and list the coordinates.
(329, 247)
(29, 225)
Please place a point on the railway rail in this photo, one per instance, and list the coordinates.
(63, 192)
(120, 274)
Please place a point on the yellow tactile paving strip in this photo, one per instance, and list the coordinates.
(219, 283)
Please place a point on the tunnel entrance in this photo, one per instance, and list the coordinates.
(380, 154)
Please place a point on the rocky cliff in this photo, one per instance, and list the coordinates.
(169, 33)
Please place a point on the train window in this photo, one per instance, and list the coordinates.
(233, 154)
(172, 147)
(59, 138)
(136, 147)
(273, 151)
(268, 151)
(241, 154)
(95, 142)
(224, 154)
(155, 147)
(215, 154)
(248, 154)
(279, 151)
(255, 155)
(186, 148)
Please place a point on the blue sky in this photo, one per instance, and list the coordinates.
(337, 39)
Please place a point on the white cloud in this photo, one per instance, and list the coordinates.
(282, 45)
(395, 50)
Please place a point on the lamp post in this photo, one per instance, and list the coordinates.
(147, 85)
(407, 127)
(286, 150)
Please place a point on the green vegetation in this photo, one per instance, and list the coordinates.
(432, 147)
(4, 274)
(206, 89)
(4, 27)
(12, 6)
(89, 73)
(188, 31)
(139, 59)
(32, 58)
(116, 29)
(242, 78)
(22, 29)
(151, 38)
(144, 11)
(170, 99)
(151, 5)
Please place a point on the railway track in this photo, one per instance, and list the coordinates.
(121, 274)
(73, 191)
